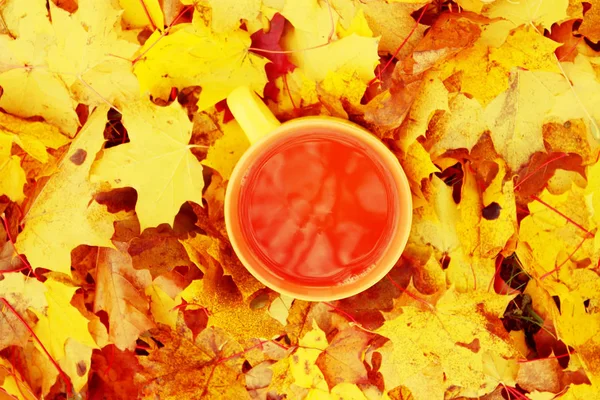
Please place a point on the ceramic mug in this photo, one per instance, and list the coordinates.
(260, 176)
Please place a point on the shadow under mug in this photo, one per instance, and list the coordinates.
(263, 130)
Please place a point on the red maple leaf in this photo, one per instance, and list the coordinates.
(280, 63)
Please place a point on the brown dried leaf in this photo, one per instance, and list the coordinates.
(120, 292)
(159, 251)
(210, 367)
(342, 360)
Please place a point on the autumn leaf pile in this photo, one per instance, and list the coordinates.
(117, 279)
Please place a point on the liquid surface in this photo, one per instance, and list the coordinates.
(318, 208)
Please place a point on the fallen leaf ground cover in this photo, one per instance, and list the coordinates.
(118, 281)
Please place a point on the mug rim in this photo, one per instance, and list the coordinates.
(362, 282)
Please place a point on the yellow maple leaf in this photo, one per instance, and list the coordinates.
(162, 306)
(299, 91)
(89, 56)
(417, 164)
(582, 100)
(467, 267)
(62, 323)
(393, 22)
(227, 14)
(516, 117)
(30, 91)
(63, 215)
(227, 310)
(344, 67)
(496, 232)
(433, 96)
(218, 63)
(32, 136)
(299, 374)
(12, 176)
(525, 12)
(227, 150)
(424, 345)
(435, 222)
(77, 362)
(592, 191)
(75, 58)
(551, 237)
(526, 48)
(483, 70)
(460, 126)
(157, 162)
(26, 19)
(359, 25)
(12, 384)
(309, 16)
(573, 316)
(340, 66)
(581, 392)
(453, 231)
(22, 294)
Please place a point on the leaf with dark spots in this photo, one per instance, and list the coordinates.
(474, 346)
(114, 132)
(520, 316)
(491, 211)
(121, 199)
(81, 368)
(511, 271)
(78, 157)
(453, 177)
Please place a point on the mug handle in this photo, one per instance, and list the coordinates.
(251, 113)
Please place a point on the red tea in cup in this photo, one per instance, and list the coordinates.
(318, 207)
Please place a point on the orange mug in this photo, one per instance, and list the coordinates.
(317, 208)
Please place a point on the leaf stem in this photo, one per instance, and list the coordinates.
(163, 34)
(154, 27)
(588, 233)
(529, 175)
(409, 293)
(414, 28)
(565, 261)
